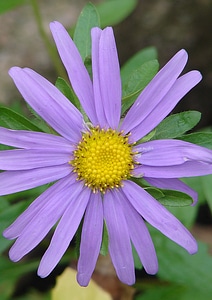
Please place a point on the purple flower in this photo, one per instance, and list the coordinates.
(93, 164)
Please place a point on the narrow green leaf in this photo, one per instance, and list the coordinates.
(114, 11)
(141, 57)
(88, 19)
(6, 5)
(13, 120)
(203, 139)
(137, 81)
(104, 245)
(177, 124)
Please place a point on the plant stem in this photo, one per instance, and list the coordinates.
(50, 48)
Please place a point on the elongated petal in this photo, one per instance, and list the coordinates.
(64, 233)
(91, 239)
(173, 184)
(34, 140)
(99, 106)
(159, 217)
(16, 181)
(75, 68)
(43, 221)
(155, 91)
(119, 239)
(45, 199)
(140, 237)
(22, 159)
(188, 169)
(48, 102)
(171, 152)
(181, 87)
(106, 80)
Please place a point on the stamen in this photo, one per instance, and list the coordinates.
(103, 159)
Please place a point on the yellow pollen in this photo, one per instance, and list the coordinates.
(103, 159)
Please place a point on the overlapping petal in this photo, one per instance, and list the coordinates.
(91, 239)
(119, 239)
(64, 232)
(75, 68)
(49, 103)
(16, 181)
(171, 152)
(34, 140)
(44, 220)
(106, 78)
(140, 236)
(46, 198)
(158, 111)
(155, 91)
(158, 216)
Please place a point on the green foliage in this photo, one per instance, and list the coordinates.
(138, 59)
(104, 245)
(66, 89)
(114, 11)
(82, 35)
(176, 125)
(14, 120)
(203, 139)
(137, 81)
(166, 197)
(181, 276)
(6, 5)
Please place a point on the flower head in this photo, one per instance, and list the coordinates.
(93, 164)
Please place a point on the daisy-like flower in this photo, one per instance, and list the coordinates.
(92, 165)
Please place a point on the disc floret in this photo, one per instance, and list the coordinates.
(103, 159)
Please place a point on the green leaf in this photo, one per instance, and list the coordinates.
(166, 197)
(177, 124)
(6, 5)
(7, 216)
(88, 19)
(104, 245)
(114, 11)
(13, 120)
(203, 139)
(207, 188)
(141, 57)
(137, 81)
(66, 89)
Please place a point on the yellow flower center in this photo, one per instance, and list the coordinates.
(103, 159)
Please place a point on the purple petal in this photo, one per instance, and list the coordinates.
(75, 68)
(49, 103)
(159, 217)
(64, 232)
(119, 240)
(140, 237)
(99, 105)
(16, 181)
(52, 209)
(173, 184)
(91, 239)
(188, 169)
(171, 152)
(22, 159)
(34, 140)
(106, 77)
(158, 112)
(46, 198)
(155, 91)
